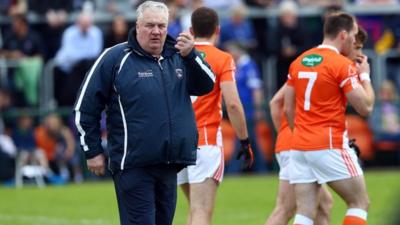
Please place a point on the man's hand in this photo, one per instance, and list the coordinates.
(246, 152)
(364, 70)
(96, 165)
(184, 43)
(354, 146)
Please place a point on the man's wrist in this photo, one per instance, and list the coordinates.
(245, 141)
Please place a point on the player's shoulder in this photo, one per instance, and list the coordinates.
(323, 56)
(211, 50)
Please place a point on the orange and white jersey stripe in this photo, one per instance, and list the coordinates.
(321, 77)
(208, 108)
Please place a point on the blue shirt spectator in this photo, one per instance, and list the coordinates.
(238, 29)
(247, 80)
(80, 41)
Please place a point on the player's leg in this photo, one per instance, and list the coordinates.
(306, 202)
(202, 200)
(305, 186)
(203, 179)
(324, 207)
(183, 182)
(353, 192)
(340, 169)
(285, 205)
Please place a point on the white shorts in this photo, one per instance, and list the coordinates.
(209, 164)
(283, 159)
(323, 166)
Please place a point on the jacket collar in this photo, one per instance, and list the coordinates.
(168, 50)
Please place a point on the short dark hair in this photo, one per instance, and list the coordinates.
(204, 22)
(336, 22)
(361, 36)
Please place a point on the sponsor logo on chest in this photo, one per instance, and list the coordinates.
(144, 74)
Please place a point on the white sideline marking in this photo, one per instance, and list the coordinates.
(44, 220)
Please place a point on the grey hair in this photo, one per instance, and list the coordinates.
(153, 5)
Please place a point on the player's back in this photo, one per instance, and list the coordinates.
(321, 77)
(207, 108)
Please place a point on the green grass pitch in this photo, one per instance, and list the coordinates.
(246, 200)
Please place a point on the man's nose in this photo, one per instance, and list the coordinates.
(156, 30)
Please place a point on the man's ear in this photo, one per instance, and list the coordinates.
(218, 30)
(191, 31)
(343, 35)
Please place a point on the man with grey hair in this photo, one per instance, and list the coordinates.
(145, 86)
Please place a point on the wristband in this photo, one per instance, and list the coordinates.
(245, 142)
(365, 77)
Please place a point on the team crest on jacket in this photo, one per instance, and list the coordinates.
(179, 73)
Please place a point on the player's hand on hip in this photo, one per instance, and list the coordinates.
(184, 43)
(246, 152)
(96, 165)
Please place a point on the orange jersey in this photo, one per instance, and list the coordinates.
(207, 108)
(321, 77)
(284, 138)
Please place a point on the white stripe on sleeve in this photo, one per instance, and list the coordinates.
(205, 68)
(79, 103)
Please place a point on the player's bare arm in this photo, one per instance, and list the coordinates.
(234, 108)
(362, 98)
(289, 105)
(276, 107)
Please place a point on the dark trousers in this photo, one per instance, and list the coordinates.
(146, 195)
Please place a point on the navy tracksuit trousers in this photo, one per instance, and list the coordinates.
(146, 195)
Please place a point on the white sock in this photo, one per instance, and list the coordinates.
(360, 213)
(303, 220)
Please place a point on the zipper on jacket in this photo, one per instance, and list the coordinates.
(168, 107)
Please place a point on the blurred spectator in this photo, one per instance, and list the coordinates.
(390, 40)
(315, 25)
(58, 143)
(249, 86)
(375, 24)
(12, 7)
(290, 38)
(186, 13)
(385, 124)
(81, 44)
(25, 46)
(320, 3)
(5, 102)
(7, 157)
(238, 28)
(374, 2)
(7, 148)
(222, 4)
(28, 152)
(262, 28)
(80, 41)
(56, 14)
(175, 23)
(116, 6)
(44, 7)
(117, 33)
